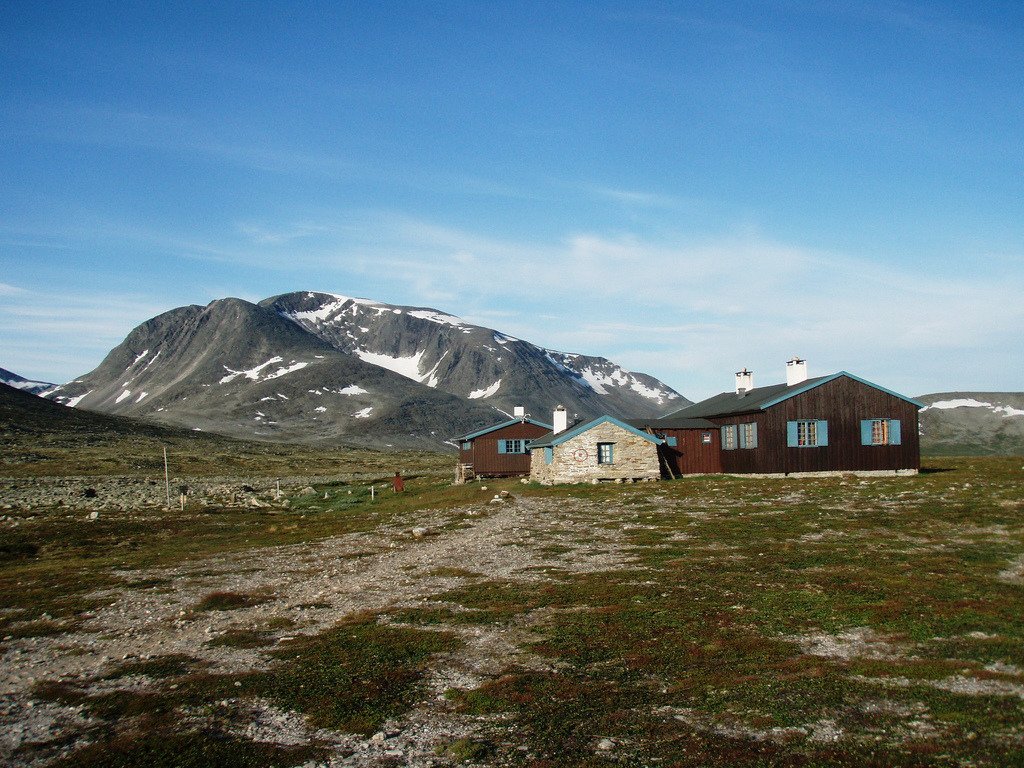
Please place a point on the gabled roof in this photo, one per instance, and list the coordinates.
(550, 440)
(762, 398)
(496, 427)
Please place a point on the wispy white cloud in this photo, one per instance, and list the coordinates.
(10, 290)
(51, 336)
(699, 307)
(689, 310)
(639, 198)
(112, 126)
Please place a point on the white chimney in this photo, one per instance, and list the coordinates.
(796, 371)
(560, 420)
(519, 412)
(744, 381)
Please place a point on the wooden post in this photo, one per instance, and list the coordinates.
(167, 480)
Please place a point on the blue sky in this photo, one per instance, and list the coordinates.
(686, 188)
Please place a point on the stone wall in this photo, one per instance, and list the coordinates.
(575, 460)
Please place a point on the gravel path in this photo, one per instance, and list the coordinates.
(314, 586)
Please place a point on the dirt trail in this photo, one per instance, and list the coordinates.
(314, 586)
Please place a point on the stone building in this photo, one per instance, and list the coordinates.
(604, 449)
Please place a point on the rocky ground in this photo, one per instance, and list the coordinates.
(310, 587)
(712, 621)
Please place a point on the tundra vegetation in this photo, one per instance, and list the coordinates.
(705, 621)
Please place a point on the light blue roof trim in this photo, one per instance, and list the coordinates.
(580, 429)
(504, 424)
(833, 377)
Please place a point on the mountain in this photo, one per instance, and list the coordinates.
(26, 385)
(285, 369)
(972, 423)
(473, 362)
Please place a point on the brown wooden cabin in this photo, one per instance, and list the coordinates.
(691, 446)
(501, 450)
(835, 423)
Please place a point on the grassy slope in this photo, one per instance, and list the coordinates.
(42, 438)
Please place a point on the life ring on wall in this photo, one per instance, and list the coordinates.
(580, 454)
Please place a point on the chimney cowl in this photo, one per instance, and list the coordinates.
(744, 381)
(796, 371)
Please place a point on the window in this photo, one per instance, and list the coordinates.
(512, 446)
(729, 437)
(467, 446)
(605, 453)
(880, 432)
(748, 435)
(807, 433)
(672, 442)
(705, 438)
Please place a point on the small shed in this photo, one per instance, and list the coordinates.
(604, 449)
(501, 450)
(690, 447)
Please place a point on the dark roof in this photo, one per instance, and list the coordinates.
(761, 398)
(551, 439)
(672, 422)
(503, 424)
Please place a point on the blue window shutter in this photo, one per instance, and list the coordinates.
(822, 432)
(791, 434)
(672, 441)
(865, 431)
(753, 435)
(501, 446)
(742, 437)
(549, 455)
(895, 432)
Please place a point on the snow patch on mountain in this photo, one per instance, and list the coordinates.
(969, 402)
(363, 414)
(253, 374)
(404, 366)
(286, 370)
(658, 395)
(437, 317)
(480, 394)
(74, 401)
(123, 396)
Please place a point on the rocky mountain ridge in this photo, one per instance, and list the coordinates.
(973, 423)
(25, 385)
(315, 367)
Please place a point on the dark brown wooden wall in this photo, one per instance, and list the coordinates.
(486, 460)
(691, 456)
(843, 402)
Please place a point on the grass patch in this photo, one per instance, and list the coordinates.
(353, 678)
(151, 746)
(230, 601)
(157, 667)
